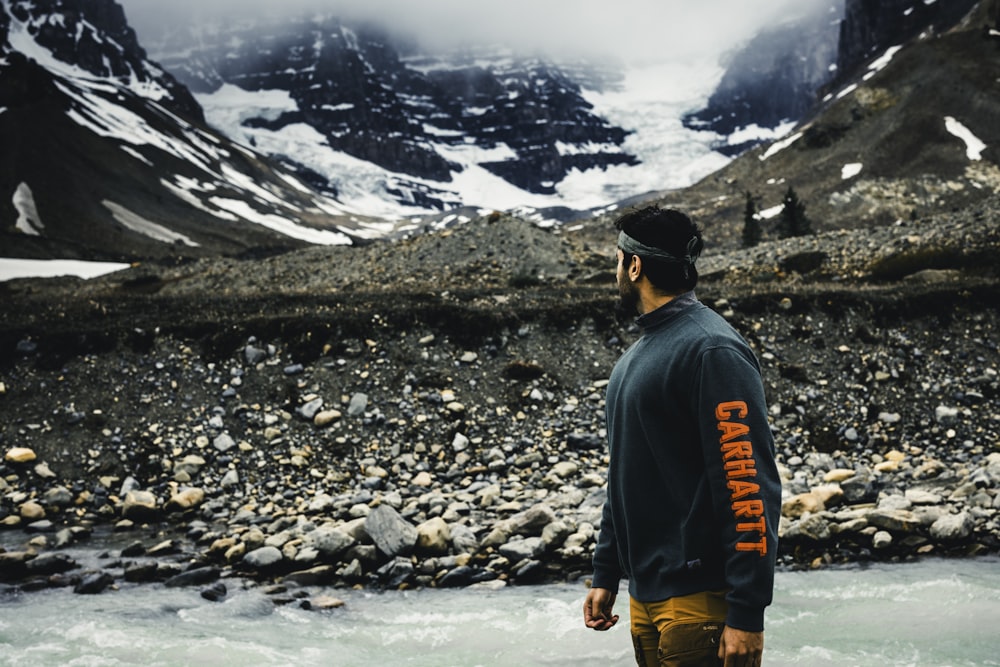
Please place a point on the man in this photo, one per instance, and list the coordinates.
(694, 496)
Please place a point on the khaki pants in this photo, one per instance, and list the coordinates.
(680, 632)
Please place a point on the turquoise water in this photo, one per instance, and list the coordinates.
(935, 612)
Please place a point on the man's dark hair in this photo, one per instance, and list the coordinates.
(668, 230)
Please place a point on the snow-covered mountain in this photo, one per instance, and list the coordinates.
(308, 131)
(365, 112)
(782, 75)
(106, 155)
(772, 81)
(258, 137)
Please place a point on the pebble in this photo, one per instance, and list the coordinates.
(325, 418)
(459, 443)
(223, 442)
(43, 470)
(32, 511)
(325, 602)
(357, 405)
(185, 500)
(19, 455)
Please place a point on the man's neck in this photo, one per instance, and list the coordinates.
(650, 301)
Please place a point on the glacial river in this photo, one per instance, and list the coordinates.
(935, 612)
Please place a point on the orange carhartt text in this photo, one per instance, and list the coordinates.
(740, 469)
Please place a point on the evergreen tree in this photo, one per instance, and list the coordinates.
(751, 223)
(793, 220)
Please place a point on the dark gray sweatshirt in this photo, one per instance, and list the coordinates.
(694, 495)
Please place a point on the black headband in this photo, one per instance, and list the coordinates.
(634, 247)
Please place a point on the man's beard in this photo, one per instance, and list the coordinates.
(628, 300)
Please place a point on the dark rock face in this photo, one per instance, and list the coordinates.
(870, 26)
(93, 583)
(99, 153)
(543, 109)
(387, 103)
(95, 36)
(773, 79)
(782, 73)
(4, 30)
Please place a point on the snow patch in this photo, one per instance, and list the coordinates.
(245, 182)
(755, 132)
(881, 62)
(779, 146)
(230, 107)
(974, 146)
(360, 185)
(136, 154)
(12, 268)
(183, 191)
(589, 148)
(281, 225)
(847, 91)
(850, 170)
(769, 213)
(114, 121)
(294, 182)
(141, 225)
(28, 220)
(874, 68)
(440, 132)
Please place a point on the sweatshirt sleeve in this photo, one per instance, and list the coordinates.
(607, 568)
(746, 490)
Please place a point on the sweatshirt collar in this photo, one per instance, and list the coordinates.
(667, 311)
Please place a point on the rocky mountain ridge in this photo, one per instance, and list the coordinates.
(782, 75)
(893, 143)
(375, 99)
(774, 79)
(141, 175)
(869, 28)
(911, 136)
(98, 40)
(106, 156)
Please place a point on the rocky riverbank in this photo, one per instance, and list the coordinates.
(417, 418)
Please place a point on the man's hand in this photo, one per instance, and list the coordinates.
(739, 648)
(597, 609)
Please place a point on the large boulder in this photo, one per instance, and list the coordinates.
(434, 536)
(185, 500)
(952, 527)
(264, 558)
(329, 542)
(140, 506)
(392, 534)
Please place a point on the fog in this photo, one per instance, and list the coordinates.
(630, 29)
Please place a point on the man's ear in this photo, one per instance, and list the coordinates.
(635, 268)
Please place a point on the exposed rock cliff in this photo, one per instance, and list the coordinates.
(871, 26)
(376, 97)
(773, 79)
(95, 37)
(783, 73)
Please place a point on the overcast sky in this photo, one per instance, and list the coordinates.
(629, 28)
